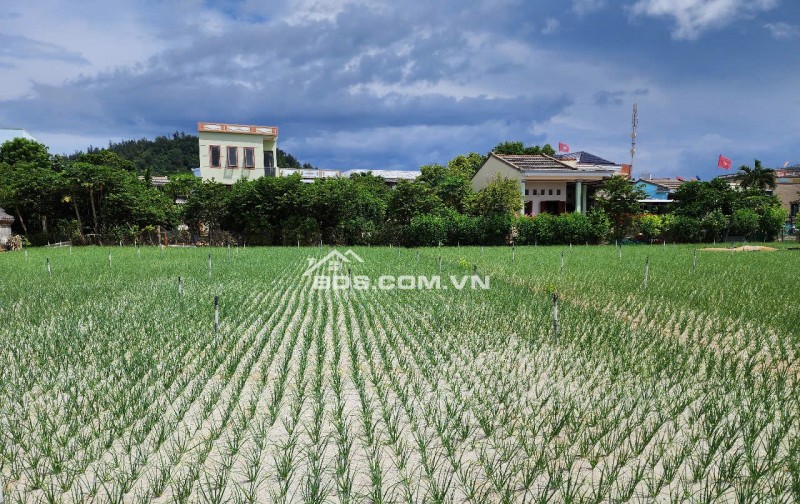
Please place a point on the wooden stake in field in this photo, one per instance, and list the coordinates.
(216, 315)
(440, 265)
(555, 317)
(109, 259)
(694, 260)
(562, 261)
(209, 265)
(619, 251)
(474, 270)
(646, 270)
(513, 253)
(417, 255)
(229, 253)
(180, 286)
(49, 271)
(350, 277)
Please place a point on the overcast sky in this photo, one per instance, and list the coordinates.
(389, 84)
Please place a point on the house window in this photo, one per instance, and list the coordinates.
(213, 156)
(249, 157)
(551, 192)
(794, 209)
(233, 157)
(527, 192)
(558, 192)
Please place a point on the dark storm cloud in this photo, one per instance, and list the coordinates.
(313, 76)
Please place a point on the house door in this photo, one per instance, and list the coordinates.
(529, 208)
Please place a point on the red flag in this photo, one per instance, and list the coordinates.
(562, 147)
(724, 162)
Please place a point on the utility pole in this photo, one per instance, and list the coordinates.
(634, 126)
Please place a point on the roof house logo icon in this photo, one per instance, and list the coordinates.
(332, 262)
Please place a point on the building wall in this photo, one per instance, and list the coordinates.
(556, 187)
(788, 194)
(5, 234)
(490, 169)
(653, 191)
(227, 175)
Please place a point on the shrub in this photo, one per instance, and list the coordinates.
(600, 225)
(685, 229)
(536, 230)
(714, 225)
(744, 222)
(495, 229)
(463, 229)
(427, 231)
(649, 226)
(573, 228)
(771, 222)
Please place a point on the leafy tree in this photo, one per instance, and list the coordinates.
(695, 199)
(650, 226)
(758, 177)
(519, 148)
(23, 150)
(450, 183)
(207, 204)
(409, 199)
(109, 159)
(137, 204)
(91, 183)
(466, 166)
(744, 222)
(500, 197)
(31, 190)
(180, 186)
(620, 201)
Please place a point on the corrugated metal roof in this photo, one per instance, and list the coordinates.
(7, 134)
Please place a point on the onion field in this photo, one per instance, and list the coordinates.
(675, 384)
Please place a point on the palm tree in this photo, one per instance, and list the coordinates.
(756, 178)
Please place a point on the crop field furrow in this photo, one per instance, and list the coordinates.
(115, 386)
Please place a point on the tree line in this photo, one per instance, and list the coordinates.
(98, 196)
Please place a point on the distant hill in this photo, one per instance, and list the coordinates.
(167, 155)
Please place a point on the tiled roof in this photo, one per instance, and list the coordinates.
(586, 158)
(669, 183)
(534, 162)
(5, 218)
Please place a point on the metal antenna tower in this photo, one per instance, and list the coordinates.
(634, 125)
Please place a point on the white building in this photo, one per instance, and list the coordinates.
(548, 184)
(7, 134)
(5, 227)
(231, 152)
(309, 175)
